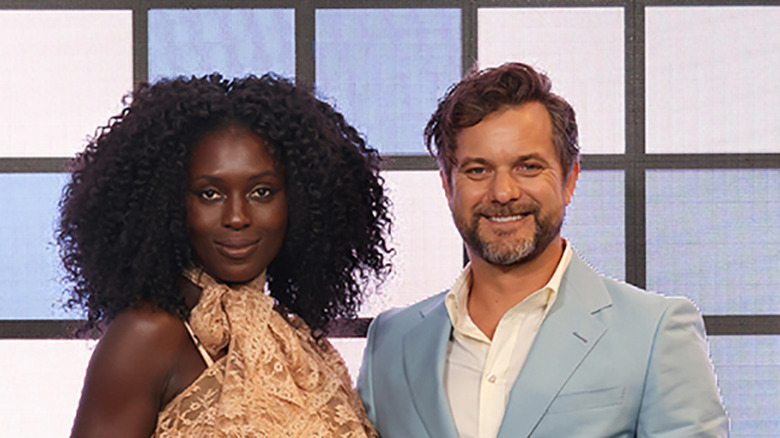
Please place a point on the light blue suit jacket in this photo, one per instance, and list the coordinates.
(610, 360)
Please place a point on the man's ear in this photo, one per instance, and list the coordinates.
(444, 184)
(571, 181)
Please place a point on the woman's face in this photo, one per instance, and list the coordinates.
(236, 205)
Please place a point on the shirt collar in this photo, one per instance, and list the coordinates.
(457, 298)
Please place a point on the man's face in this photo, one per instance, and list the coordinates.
(507, 191)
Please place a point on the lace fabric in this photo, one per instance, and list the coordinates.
(276, 380)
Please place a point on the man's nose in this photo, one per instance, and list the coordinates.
(505, 188)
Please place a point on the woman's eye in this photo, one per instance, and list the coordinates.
(209, 195)
(261, 193)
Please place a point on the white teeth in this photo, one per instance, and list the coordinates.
(506, 218)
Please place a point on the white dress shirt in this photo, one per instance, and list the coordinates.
(479, 372)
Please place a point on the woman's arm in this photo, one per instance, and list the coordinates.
(127, 378)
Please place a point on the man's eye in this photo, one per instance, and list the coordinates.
(210, 195)
(476, 171)
(530, 167)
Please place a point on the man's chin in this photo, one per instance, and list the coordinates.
(508, 255)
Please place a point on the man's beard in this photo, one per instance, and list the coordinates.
(507, 250)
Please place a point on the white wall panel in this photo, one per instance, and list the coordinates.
(351, 349)
(429, 249)
(712, 75)
(40, 384)
(582, 51)
(63, 75)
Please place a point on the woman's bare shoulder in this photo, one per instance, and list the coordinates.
(147, 324)
(143, 336)
(128, 373)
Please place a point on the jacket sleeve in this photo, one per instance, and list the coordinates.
(365, 381)
(681, 397)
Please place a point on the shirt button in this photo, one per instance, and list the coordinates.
(491, 378)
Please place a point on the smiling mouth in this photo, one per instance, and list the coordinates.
(503, 219)
(236, 250)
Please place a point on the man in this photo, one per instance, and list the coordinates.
(530, 341)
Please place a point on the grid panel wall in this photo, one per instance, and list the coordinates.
(29, 267)
(385, 68)
(233, 42)
(722, 255)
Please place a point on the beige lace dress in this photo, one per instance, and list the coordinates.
(274, 381)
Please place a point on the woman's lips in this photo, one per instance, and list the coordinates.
(238, 249)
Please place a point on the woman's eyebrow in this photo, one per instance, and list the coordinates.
(217, 177)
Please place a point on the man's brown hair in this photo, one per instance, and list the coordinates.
(483, 92)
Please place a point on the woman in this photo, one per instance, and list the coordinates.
(177, 214)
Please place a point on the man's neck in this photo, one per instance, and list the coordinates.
(496, 289)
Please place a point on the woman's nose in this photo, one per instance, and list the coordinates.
(236, 215)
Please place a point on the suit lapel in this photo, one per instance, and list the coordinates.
(564, 340)
(425, 348)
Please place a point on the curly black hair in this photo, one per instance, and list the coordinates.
(123, 233)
